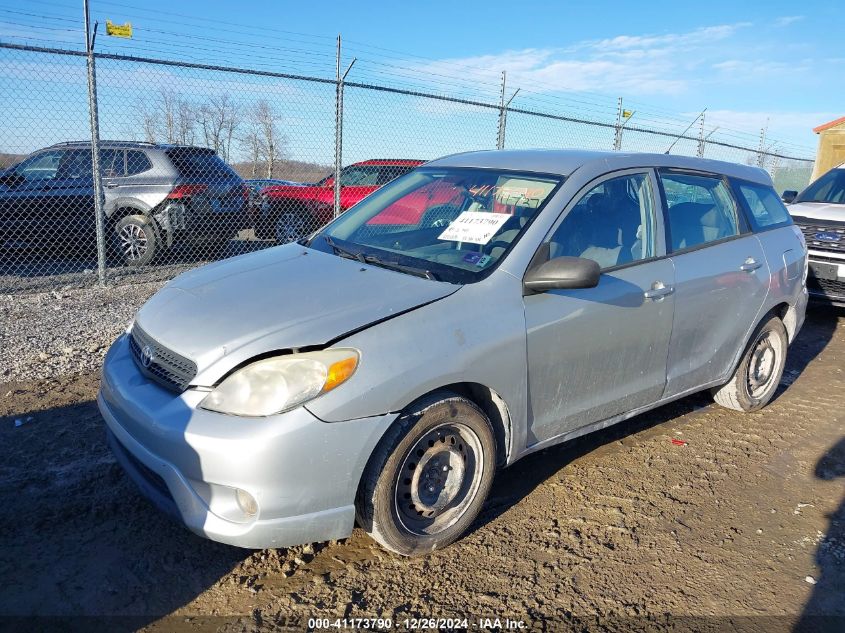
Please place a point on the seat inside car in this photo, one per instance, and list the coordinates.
(695, 223)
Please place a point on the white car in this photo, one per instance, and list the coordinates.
(819, 211)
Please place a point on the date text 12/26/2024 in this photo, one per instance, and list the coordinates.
(419, 624)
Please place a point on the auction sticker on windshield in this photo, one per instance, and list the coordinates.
(474, 227)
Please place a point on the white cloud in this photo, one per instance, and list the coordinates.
(661, 64)
(786, 20)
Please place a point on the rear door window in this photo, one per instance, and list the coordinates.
(700, 209)
(766, 207)
(111, 163)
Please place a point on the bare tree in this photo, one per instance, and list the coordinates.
(171, 119)
(149, 121)
(252, 144)
(185, 118)
(265, 120)
(218, 119)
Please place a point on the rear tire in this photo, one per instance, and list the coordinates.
(136, 240)
(428, 477)
(759, 372)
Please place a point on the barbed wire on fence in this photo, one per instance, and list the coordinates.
(210, 160)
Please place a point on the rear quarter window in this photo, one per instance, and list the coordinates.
(199, 163)
(764, 205)
(137, 162)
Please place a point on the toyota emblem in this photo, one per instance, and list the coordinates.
(147, 355)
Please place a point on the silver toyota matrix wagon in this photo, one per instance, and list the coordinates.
(480, 308)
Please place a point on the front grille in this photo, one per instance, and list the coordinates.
(165, 366)
(829, 287)
(813, 231)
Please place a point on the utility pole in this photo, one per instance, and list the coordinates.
(99, 198)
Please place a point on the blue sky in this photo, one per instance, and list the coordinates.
(749, 63)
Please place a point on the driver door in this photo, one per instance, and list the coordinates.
(595, 353)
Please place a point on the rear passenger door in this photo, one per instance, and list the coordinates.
(721, 278)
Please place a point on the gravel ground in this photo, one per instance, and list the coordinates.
(64, 331)
(744, 519)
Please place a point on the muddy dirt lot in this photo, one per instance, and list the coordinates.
(745, 519)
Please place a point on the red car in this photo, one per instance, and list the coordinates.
(289, 212)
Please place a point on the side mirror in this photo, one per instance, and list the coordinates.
(563, 273)
(789, 195)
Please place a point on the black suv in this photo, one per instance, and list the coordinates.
(156, 196)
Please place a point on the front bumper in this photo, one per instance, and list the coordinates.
(826, 279)
(302, 472)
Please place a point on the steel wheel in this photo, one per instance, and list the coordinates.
(133, 242)
(755, 379)
(762, 364)
(438, 479)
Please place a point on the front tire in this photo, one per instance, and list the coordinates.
(291, 226)
(759, 372)
(136, 240)
(428, 477)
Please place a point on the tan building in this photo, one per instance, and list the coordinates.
(831, 150)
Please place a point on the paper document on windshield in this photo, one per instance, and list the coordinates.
(474, 227)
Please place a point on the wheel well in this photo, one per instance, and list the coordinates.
(789, 316)
(122, 212)
(493, 406)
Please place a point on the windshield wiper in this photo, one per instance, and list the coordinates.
(411, 270)
(343, 252)
(376, 261)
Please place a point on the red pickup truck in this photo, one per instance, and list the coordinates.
(289, 212)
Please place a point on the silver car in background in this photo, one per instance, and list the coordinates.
(381, 371)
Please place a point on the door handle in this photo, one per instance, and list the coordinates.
(658, 291)
(750, 265)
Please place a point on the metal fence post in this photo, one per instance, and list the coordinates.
(503, 113)
(99, 197)
(617, 134)
(700, 151)
(338, 128)
(338, 133)
(500, 134)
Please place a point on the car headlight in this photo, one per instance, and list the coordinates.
(281, 383)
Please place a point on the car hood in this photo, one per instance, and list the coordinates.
(288, 297)
(818, 211)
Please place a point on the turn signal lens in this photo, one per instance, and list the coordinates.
(340, 372)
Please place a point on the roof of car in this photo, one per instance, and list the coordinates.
(404, 162)
(565, 161)
(140, 144)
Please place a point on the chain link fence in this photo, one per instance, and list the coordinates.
(201, 162)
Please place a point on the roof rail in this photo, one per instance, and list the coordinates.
(109, 141)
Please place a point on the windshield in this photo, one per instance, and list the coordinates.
(828, 188)
(450, 224)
